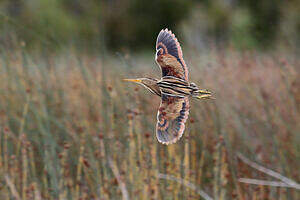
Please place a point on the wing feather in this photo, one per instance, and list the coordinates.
(169, 55)
(171, 117)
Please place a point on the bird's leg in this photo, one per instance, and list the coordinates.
(203, 91)
(200, 94)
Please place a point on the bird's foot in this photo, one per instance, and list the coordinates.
(202, 94)
(205, 96)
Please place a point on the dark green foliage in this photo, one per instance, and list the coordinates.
(266, 17)
(134, 24)
(159, 14)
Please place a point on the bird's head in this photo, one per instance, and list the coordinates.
(149, 83)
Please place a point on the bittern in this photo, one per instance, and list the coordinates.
(173, 88)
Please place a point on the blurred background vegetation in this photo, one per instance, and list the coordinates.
(133, 24)
(71, 129)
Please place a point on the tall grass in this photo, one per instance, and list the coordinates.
(71, 129)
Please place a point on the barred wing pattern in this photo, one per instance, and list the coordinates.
(169, 55)
(171, 117)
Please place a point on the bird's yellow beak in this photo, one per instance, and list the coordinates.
(133, 80)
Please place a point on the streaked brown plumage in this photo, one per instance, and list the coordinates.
(173, 88)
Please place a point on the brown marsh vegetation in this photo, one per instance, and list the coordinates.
(71, 129)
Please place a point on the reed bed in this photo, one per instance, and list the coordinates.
(71, 129)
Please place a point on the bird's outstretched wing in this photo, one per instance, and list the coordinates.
(169, 55)
(171, 117)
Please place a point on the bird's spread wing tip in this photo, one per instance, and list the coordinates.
(169, 55)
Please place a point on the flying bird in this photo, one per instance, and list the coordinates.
(174, 88)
